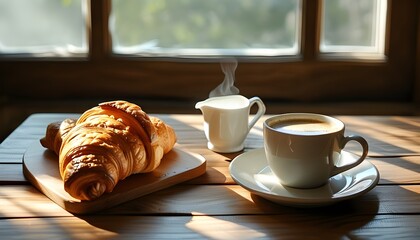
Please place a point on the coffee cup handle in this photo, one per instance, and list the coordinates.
(365, 147)
(260, 112)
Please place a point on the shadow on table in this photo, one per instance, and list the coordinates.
(327, 222)
(333, 222)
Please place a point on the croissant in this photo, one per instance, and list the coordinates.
(105, 145)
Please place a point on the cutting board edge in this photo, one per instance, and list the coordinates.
(84, 207)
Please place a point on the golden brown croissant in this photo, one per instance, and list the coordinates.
(107, 144)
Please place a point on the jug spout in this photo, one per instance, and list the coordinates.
(198, 105)
(201, 105)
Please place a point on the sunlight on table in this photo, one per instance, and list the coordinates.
(214, 228)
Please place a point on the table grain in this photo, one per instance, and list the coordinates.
(213, 206)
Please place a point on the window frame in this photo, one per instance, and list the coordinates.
(310, 77)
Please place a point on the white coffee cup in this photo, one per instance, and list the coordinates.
(226, 121)
(303, 149)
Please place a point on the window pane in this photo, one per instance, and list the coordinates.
(43, 26)
(205, 28)
(353, 26)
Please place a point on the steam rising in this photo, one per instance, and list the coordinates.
(227, 86)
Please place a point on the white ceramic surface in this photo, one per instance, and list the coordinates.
(226, 121)
(251, 171)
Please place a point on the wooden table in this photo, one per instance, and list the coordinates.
(213, 206)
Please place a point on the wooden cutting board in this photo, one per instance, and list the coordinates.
(40, 167)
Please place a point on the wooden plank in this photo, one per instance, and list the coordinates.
(18, 144)
(13, 156)
(387, 136)
(399, 170)
(25, 201)
(302, 226)
(11, 174)
(41, 119)
(226, 200)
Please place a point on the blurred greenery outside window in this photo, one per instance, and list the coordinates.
(43, 27)
(177, 28)
(353, 26)
(202, 28)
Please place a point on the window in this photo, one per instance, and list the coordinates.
(46, 27)
(365, 20)
(131, 53)
(177, 28)
(205, 28)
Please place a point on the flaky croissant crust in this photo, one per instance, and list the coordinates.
(105, 145)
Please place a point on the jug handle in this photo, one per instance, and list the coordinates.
(260, 112)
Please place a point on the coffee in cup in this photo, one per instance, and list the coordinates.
(303, 149)
(304, 126)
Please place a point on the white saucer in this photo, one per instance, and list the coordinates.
(251, 171)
